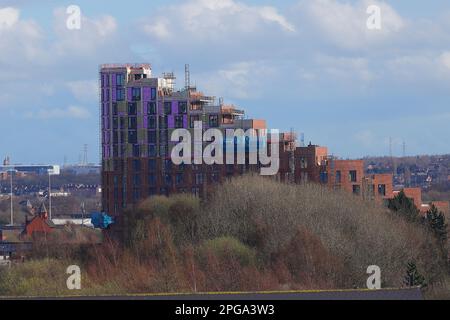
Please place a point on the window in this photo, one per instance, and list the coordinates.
(163, 122)
(178, 121)
(152, 150)
(163, 151)
(192, 119)
(136, 194)
(168, 164)
(153, 93)
(338, 176)
(132, 108)
(179, 178)
(136, 180)
(152, 122)
(167, 107)
(352, 176)
(135, 94)
(198, 178)
(132, 123)
(152, 136)
(120, 79)
(168, 179)
(151, 107)
(132, 136)
(356, 189)
(182, 107)
(324, 177)
(136, 165)
(114, 108)
(303, 163)
(115, 137)
(382, 189)
(136, 150)
(152, 164)
(214, 120)
(120, 94)
(152, 179)
(115, 123)
(163, 137)
(122, 123)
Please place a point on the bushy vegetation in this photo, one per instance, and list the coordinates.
(258, 234)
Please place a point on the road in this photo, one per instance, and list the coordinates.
(363, 294)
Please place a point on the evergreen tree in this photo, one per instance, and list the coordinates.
(413, 278)
(404, 206)
(436, 221)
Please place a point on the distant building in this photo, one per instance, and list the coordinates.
(82, 169)
(23, 170)
(40, 224)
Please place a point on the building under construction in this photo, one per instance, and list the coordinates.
(139, 113)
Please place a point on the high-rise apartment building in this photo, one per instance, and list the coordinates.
(138, 114)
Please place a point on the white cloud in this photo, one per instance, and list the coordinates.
(93, 34)
(8, 17)
(84, 90)
(344, 24)
(445, 59)
(20, 39)
(159, 28)
(237, 81)
(72, 112)
(214, 19)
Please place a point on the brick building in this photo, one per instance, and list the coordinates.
(138, 115)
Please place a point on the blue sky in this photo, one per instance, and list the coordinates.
(311, 65)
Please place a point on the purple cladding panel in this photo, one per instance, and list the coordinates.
(160, 108)
(146, 94)
(145, 122)
(185, 121)
(174, 107)
(113, 94)
(171, 121)
(145, 108)
(129, 94)
(113, 79)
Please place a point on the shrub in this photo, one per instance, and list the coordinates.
(229, 248)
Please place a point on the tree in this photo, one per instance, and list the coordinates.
(413, 278)
(436, 221)
(404, 206)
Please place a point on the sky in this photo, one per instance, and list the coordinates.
(309, 65)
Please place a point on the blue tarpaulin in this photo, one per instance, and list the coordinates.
(101, 220)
